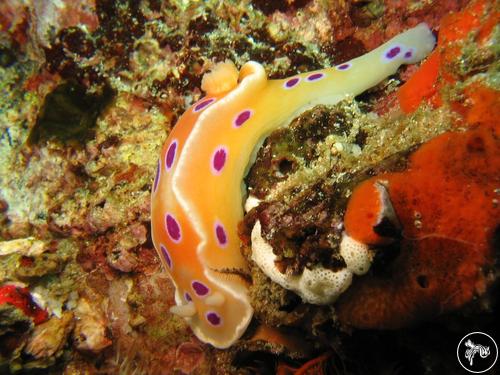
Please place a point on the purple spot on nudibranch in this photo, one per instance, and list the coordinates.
(173, 228)
(166, 256)
(344, 66)
(291, 82)
(157, 177)
(242, 118)
(214, 318)
(199, 288)
(220, 234)
(170, 155)
(315, 77)
(409, 54)
(219, 160)
(393, 52)
(203, 104)
(187, 297)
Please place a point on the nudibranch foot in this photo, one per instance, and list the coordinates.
(186, 311)
(197, 195)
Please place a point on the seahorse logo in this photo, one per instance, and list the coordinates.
(484, 351)
(477, 352)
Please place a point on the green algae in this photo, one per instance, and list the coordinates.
(170, 331)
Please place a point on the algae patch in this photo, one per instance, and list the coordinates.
(69, 113)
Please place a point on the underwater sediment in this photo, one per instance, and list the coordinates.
(407, 171)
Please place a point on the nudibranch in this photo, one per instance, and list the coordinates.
(197, 194)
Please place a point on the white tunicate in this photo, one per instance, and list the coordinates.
(320, 286)
(357, 255)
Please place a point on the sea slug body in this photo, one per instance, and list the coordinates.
(197, 197)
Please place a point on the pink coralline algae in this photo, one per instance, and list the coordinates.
(21, 298)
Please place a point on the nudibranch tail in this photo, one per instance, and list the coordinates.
(197, 194)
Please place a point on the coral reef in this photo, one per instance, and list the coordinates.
(204, 161)
(90, 91)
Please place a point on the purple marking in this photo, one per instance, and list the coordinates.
(344, 66)
(219, 160)
(157, 177)
(242, 118)
(393, 52)
(220, 234)
(214, 318)
(409, 54)
(203, 104)
(173, 228)
(199, 288)
(166, 256)
(170, 155)
(291, 82)
(315, 77)
(187, 297)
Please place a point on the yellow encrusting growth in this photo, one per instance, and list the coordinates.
(197, 195)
